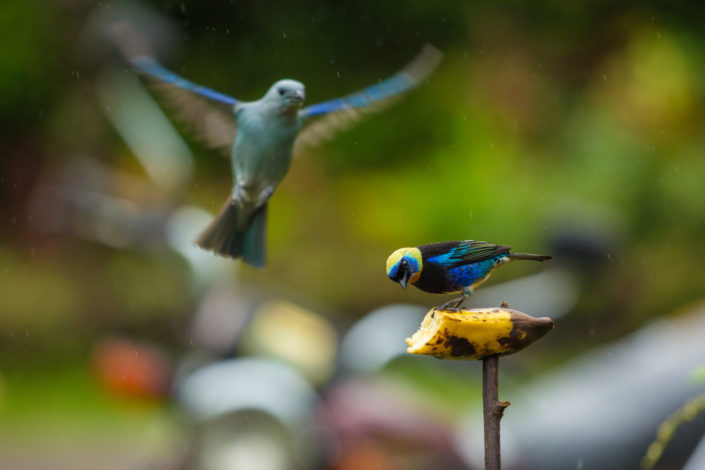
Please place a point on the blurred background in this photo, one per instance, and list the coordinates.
(557, 128)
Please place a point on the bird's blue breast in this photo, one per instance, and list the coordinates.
(467, 275)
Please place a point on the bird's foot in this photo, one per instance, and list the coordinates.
(452, 304)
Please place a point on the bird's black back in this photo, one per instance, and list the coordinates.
(466, 252)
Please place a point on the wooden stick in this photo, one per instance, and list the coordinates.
(493, 410)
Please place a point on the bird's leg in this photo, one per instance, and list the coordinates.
(455, 303)
(452, 304)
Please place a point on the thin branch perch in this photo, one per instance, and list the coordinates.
(493, 410)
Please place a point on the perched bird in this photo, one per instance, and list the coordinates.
(260, 135)
(450, 267)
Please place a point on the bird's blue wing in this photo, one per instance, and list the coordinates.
(469, 251)
(388, 88)
(209, 120)
(340, 113)
(151, 67)
(414, 73)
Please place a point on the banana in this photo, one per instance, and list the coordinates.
(477, 333)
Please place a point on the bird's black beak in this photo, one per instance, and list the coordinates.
(405, 279)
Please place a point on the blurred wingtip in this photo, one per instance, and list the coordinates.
(129, 41)
(425, 62)
(431, 50)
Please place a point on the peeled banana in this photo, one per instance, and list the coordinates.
(475, 334)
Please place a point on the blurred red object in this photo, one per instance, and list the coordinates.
(366, 456)
(132, 369)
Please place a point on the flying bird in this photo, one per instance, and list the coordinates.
(450, 267)
(260, 136)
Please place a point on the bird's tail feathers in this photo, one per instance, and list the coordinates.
(224, 238)
(528, 256)
(253, 239)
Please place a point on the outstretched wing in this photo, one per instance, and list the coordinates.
(341, 113)
(211, 123)
(152, 67)
(469, 251)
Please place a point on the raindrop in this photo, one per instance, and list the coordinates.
(284, 34)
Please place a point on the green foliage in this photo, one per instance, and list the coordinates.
(27, 67)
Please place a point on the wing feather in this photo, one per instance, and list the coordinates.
(341, 113)
(211, 123)
(469, 251)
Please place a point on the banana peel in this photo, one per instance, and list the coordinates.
(477, 333)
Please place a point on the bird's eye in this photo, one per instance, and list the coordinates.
(404, 262)
(281, 91)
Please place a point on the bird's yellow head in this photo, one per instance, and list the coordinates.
(404, 265)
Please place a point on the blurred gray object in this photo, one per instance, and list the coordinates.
(221, 317)
(249, 413)
(379, 337)
(248, 383)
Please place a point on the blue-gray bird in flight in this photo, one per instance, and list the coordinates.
(259, 137)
